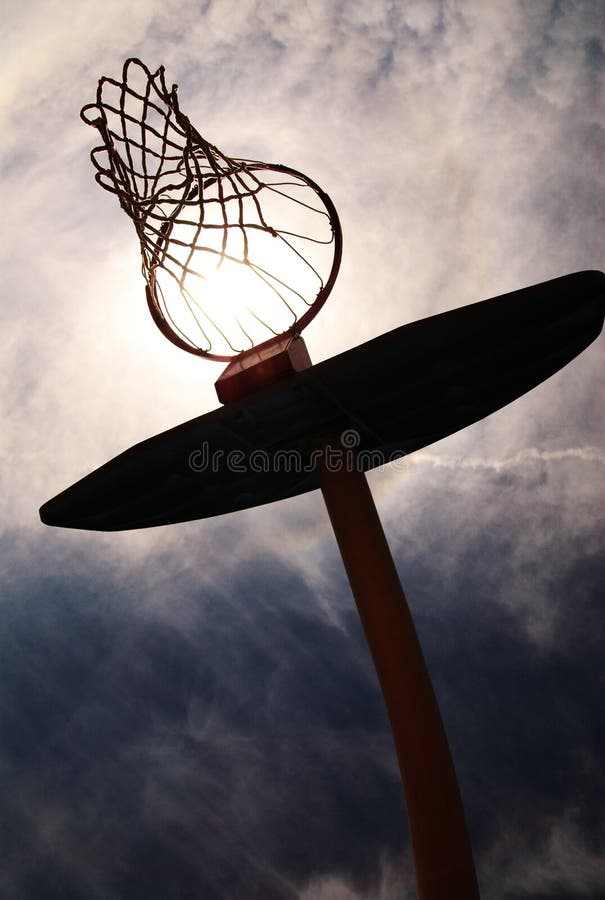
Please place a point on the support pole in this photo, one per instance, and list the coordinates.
(442, 852)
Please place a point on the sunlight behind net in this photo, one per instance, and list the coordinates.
(234, 251)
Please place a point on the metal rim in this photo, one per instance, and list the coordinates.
(161, 322)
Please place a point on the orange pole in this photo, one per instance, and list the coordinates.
(442, 852)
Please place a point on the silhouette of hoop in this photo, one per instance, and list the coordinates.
(197, 211)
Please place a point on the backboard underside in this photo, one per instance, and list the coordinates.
(399, 392)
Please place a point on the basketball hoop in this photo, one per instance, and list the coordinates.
(238, 256)
(236, 252)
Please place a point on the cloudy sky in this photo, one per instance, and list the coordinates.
(191, 712)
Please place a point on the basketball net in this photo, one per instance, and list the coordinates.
(234, 251)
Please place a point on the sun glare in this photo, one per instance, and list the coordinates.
(243, 306)
(217, 298)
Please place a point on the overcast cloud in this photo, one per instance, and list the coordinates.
(192, 711)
